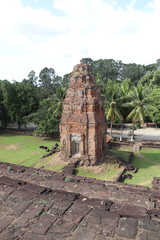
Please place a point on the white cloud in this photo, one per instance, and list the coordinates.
(36, 38)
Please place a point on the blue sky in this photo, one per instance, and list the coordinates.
(57, 33)
(48, 4)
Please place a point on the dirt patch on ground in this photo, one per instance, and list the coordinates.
(55, 159)
(145, 183)
(15, 146)
(53, 162)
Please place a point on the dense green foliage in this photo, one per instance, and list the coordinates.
(131, 92)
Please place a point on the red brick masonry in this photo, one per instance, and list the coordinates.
(83, 123)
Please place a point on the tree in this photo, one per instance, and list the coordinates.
(88, 61)
(43, 118)
(48, 82)
(49, 113)
(8, 96)
(20, 99)
(131, 132)
(124, 90)
(113, 112)
(46, 78)
(132, 71)
(138, 101)
(59, 97)
(32, 78)
(112, 107)
(154, 111)
(106, 69)
(155, 81)
(4, 118)
(65, 81)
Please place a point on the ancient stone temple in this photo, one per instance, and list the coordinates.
(83, 123)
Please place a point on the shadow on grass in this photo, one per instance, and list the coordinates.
(148, 164)
(145, 159)
(51, 139)
(9, 135)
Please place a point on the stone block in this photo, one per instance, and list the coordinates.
(148, 236)
(133, 211)
(20, 208)
(102, 214)
(43, 224)
(33, 188)
(127, 227)
(84, 234)
(11, 182)
(148, 224)
(32, 236)
(5, 221)
(5, 235)
(33, 210)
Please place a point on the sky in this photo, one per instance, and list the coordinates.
(58, 33)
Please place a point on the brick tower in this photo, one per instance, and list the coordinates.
(83, 123)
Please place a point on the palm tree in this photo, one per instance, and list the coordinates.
(112, 111)
(139, 101)
(58, 99)
(125, 88)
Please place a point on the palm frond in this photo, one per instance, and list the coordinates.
(118, 114)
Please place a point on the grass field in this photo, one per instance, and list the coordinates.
(148, 163)
(24, 150)
(106, 171)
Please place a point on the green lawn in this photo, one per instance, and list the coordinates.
(148, 163)
(106, 171)
(123, 153)
(23, 150)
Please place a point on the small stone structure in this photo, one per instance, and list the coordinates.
(83, 123)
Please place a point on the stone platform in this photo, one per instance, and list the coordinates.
(38, 204)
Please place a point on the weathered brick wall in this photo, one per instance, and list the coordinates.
(83, 114)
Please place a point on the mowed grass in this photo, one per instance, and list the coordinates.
(148, 163)
(106, 171)
(23, 150)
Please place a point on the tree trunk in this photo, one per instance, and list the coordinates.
(19, 125)
(121, 132)
(111, 128)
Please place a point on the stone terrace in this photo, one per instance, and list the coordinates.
(38, 204)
